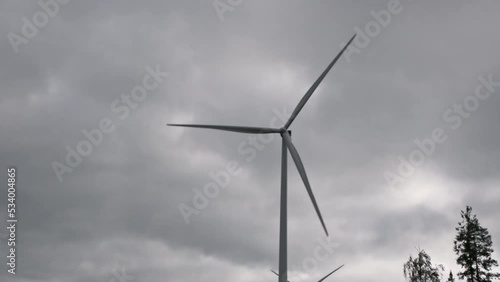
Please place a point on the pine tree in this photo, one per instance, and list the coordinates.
(473, 246)
(420, 269)
(450, 277)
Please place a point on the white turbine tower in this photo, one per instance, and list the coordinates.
(286, 143)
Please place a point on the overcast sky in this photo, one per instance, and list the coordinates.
(109, 209)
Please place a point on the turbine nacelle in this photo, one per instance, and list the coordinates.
(324, 277)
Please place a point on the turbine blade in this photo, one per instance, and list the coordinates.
(240, 129)
(330, 273)
(315, 85)
(277, 274)
(302, 172)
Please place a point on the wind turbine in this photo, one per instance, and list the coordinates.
(286, 143)
(324, 277)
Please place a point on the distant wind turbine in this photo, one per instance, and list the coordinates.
(324, 277)
(286, 143)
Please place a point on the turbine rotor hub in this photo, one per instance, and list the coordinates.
(283, 130)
